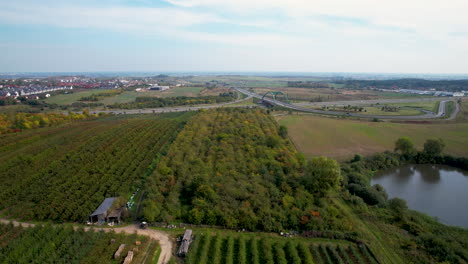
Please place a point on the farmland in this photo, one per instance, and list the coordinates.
(124, 97)
(130, 96)
(63, 244)
(333, 94)
(341, 139)
(68, 99)
(64, 173)
(210, 247)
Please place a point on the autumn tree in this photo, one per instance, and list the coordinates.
(321, 175)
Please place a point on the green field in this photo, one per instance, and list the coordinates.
(67, 99)
(342, 139)
(128, 96)
(242, 248)
(430, 106)
(376, 110)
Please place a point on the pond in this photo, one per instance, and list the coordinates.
(436, 190)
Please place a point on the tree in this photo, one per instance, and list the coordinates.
(397, 205)
(322, 174)
(434, 147)
(405, 146)
(283, 131)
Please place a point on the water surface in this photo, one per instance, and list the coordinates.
(436, 190)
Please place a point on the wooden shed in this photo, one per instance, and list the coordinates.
(104, 214)
(100, 214)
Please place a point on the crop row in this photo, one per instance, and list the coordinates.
(65, 175)
(63, 244)
(247, 249)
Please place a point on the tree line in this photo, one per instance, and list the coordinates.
(156, 102)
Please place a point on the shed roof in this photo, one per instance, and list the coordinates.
(105, 205)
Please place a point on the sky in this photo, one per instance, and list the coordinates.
(377, 36)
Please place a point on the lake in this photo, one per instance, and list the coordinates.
(436, 190)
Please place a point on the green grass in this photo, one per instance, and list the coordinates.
(341, 139)
(130, 96)
(389, 95)
(183, 91)
(67, 99)
(450, 107)
(373, 110)
(213, 246)
(430, 106)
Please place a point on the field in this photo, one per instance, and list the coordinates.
(64, 173)
(63, 244)
(430, 106)
(240, 248)
(127, 96)
(67, 99)
(329, 94)
(378, 111)
(341, 139)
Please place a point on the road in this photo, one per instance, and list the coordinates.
(174, 109)
(426, 114)
(371, 102)
(163, 238)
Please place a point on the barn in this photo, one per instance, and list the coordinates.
(102, 214)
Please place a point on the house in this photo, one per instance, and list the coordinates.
(185, 244)
(104, 213)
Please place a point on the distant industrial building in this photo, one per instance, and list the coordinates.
(159, 88)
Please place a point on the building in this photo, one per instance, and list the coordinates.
(185, 244)
(458, 94)
(159, 88)
(104, 213)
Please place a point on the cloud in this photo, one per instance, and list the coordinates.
(423, 16)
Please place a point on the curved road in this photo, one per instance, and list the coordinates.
(426, 115)
(175, 108)
(163, 238)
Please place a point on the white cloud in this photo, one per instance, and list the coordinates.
(424, 16)
(302, 35)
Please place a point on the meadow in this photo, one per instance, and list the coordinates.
(125, 97)
(342, 138)
(68, 99)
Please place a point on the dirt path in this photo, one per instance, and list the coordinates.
(163, 238)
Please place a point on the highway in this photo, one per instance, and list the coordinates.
(303, 107)
(299, 107)
(173, 109)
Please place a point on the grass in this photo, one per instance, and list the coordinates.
(450, 108)
(341, 139)
(125, 97)
(130, 96)
(389, 95)
(67, 99)
(430, 106)
(373, 110)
